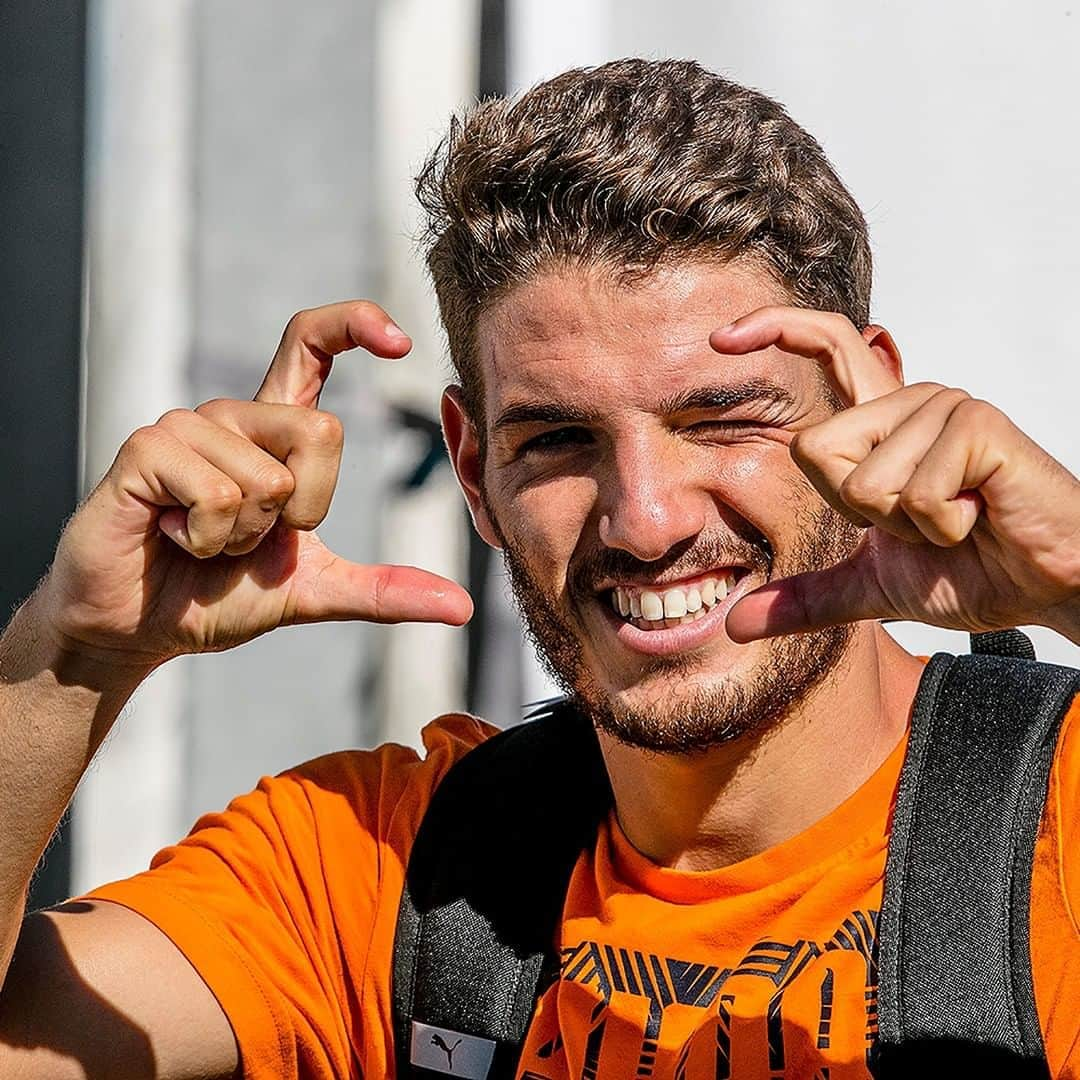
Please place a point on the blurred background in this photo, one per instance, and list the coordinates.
(177, 177)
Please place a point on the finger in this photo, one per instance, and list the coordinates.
(830, 451)
(160, 469)
(314, 337)
(874, 465)
(851, 367)
(330, 588)
(266, 484)
(845, 593)
(942, 496)
(308, 441)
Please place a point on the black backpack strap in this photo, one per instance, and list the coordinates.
(955, 983)
(485, 886)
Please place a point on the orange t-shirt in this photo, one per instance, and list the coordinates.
(286, 904)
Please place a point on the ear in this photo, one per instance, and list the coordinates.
(464, 449)
(884, 348)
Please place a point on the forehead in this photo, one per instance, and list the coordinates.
(577, 334)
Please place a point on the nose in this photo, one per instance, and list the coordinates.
(651, 502)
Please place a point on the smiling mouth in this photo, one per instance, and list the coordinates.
(662, 608)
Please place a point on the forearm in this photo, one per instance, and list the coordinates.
(55, 709)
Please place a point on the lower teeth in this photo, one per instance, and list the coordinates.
(661, 624)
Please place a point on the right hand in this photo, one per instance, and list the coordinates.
(200, 536)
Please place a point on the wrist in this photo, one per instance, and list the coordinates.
(31, 646)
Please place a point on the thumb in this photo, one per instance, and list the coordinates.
(341, 590)
(844, 593)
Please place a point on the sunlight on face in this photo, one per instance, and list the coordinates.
(640, 484)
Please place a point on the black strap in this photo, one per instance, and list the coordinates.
(487, 878)
(955, 984)
(492, 860)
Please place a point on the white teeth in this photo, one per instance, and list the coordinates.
(651, 610)
(674, 604)
(652, 607)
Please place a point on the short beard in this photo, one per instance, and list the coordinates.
(789, 671)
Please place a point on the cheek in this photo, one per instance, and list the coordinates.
(765, 487)
(546, 522)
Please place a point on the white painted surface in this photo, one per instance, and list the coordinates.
(138, 317)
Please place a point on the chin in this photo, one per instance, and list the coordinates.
(689, 704)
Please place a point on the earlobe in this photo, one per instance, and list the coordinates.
(463, 446)
(884, 348)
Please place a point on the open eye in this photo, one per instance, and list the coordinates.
(557, 439)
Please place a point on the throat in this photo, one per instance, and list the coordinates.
(708, 810)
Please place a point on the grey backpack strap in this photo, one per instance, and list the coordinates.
(485, 886)
(956, 995)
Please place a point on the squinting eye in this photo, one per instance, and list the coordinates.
(727, 428)
(557, 439)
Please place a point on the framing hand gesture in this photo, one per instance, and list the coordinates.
(969, 524)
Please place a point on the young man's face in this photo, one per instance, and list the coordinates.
(630, 467)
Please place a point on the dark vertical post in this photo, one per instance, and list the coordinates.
(42, 80)
(491, 82)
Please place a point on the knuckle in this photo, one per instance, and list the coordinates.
(977, 411)
(277, 485)
(929, 386)
(298, 323)
(143, 441)
(325, 429)
(304, 519)
(174, 417)
(952, 395)
(212, 407)
(918, 500)
(809, 445)
(221, 497)
(859, 490)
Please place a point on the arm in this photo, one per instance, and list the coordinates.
(199, 538)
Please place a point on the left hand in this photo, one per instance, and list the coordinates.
(969, 523)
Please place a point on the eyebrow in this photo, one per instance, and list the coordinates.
(728, 396)
(542, 412)
(700, 399)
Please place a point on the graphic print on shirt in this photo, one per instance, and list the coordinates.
(777, 1009)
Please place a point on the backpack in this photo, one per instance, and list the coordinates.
(491, 864)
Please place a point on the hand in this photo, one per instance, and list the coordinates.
(969, 524)
(200, 535)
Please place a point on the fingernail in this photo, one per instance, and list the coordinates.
(725, 329)
(395, 331)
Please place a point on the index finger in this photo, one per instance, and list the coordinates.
(314, 337)
(848, 362)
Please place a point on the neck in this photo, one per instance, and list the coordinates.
(706, 811)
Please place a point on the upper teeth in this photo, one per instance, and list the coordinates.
(683, 605)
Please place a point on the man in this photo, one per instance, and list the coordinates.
(708, 485)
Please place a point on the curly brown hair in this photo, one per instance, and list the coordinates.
(628, 166)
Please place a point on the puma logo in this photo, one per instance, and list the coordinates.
(437, 1040)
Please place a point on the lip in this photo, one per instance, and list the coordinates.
(678, 639)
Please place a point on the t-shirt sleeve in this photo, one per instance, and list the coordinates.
(1055, 906)
(274, 900)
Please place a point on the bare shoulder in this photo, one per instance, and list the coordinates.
(96, 990)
